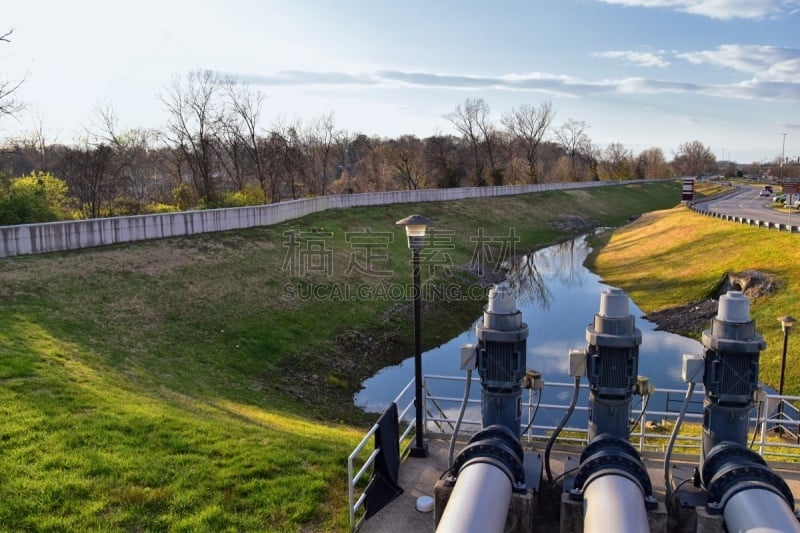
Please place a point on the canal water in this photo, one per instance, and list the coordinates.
(558, 297)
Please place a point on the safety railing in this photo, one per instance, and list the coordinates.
(651, 429)
(788, 226)
(357, 466)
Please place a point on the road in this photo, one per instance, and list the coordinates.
(746, 203)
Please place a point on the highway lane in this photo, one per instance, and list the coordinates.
(746, 203)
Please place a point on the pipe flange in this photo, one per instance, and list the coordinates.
(733, 468)
(609, 455)
(726, 451)
(496, 445)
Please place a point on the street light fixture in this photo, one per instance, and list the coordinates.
(415, 226)
(786, 326)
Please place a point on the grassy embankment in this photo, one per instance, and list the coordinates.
(673, 257)
(173, 385)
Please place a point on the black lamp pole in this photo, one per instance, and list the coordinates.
(786, 325)
(420, 448)
(415, 226)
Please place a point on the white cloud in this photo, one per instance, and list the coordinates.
(642, 59)
(771, 87)
(769, 63)
(720, 9)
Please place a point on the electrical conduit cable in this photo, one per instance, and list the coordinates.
(673, 437)
(533, 416)
(558, 429)
(458, 421)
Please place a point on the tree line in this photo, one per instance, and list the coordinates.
(213, 152)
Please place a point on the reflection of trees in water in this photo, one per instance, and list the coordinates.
(529, 274)
(527, 283)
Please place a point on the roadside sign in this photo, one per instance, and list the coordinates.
(688, 190)
(791, 188)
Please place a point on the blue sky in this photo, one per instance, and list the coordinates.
(640, 72)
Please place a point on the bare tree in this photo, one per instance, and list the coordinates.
(86, 168)
(288, 141)
(406, 157)
(572, 136)
(194, 115)
(9, 105)
(319, 143)
(29, 152)
(651, 164)
(527, 125)
(693, 158)
(472, 122)
(367, 165)
(242, 133)
(443, 161)
(615, 162)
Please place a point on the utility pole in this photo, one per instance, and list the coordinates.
(783, 157)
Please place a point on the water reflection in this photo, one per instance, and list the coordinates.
(558, 297)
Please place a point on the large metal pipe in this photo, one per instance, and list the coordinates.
(479, 502)
(737, 481)
(486, 472)
(614, 503)
(759, 511)
(614, 486)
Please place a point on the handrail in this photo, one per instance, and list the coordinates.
(355, 477)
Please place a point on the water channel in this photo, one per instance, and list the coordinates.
(558, 296)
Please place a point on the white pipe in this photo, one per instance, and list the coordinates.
(479, 502)
(759, 511)
(614, 503)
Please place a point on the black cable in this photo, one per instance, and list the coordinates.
(674, 437)
(565, 473)
(641, 413)
(755, 429)
(464, 403)
(533, 416)
(561, 425)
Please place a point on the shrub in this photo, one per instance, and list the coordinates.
(39, 197)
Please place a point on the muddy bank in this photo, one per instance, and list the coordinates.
(692, 318)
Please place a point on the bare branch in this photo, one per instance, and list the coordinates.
(8, 105)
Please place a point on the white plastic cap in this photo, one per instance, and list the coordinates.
(734, 307)
(501, 301)
(614, 304)
(424, 504)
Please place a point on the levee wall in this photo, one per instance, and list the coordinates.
(76, 234)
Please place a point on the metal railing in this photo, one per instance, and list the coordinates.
(356, 498)
(654, 418)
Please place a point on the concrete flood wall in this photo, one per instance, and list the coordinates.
(27, 239)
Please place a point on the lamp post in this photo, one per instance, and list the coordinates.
(786, 325)
(415, 226)
(783, 157)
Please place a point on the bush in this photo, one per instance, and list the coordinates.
(249, 195)
(155, 209)
(39, 197)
